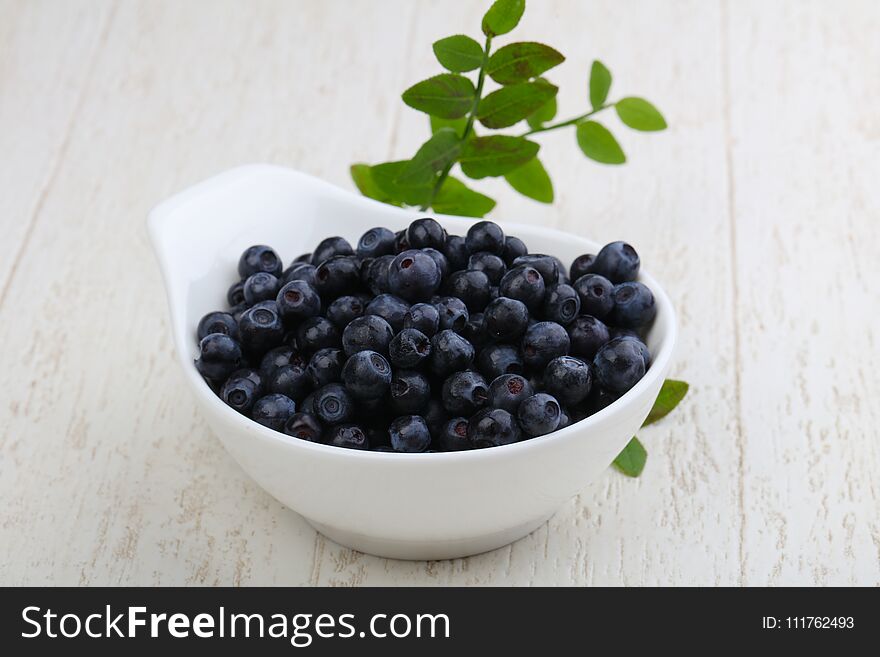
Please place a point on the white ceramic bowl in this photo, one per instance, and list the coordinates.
(409, 506)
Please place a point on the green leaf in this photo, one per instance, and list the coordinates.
(503, 16)
(631, 461)
(385, 176)
(456, 198)
(639, 114)
(458, 53)
(456, 124)
(518, 62)
(447, 95)
(670, 395)
(599, 144)
(432, 157)
(544, 113)
(495, 155)
(531, 180)
(363, 178)
(511, 104)
(600, 84)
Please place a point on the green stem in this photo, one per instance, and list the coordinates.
(469, 126)
(563, 124)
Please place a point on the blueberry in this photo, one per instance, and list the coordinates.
(235, 294)
(377, 436)
(303, 257)
(452, 313)
(569, 379)
(475, 330)
(472, 287)
(305, 426)
(260, 328)
(366, 375)
(450, 353)
(410, 392)
(337, 276)
(563, 271)
(344, 309)
(401, 244)
(561, 304)
(633, 305)
(425, 233)
(440, 260)
(546, 266)
(349, 436)
(598, 399)
(316, 333)
(456, 252)
(289, 380)
(330, 248)
(308, 404)
(279, 357)
(508, 390)
(218, 322)
(643, 348)
(542, 342)
(332, 404)
(409, 348)
(298, 300)
(375, 276)
(492, 427)
(368, 332)
(299, 271)
(413, 276)
(618, 365)
(273, 411)
(453, 436)
(618, 262)
(539, 414)
(582, 265)
(565, 418)
(506, 319)
(488, 263)
(391, 308)
(241, 390)
(261, 286)
(514, 247)
(587, 334)
(259, 258)
(594, 291)
(376, 242)
(525, 284)
(423, 317)
(325, 366)
(464, 393)
(435, 415)
(498, 359)
(409, 433)
(485, 236)
(238, 311)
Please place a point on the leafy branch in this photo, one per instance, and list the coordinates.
(455, 104)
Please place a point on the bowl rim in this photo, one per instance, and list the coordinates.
(159, 216)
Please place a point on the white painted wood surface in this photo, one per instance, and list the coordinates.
(759, 210)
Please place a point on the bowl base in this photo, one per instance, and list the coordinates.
(391, 548)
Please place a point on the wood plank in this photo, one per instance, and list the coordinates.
(46, 57)
(804, 139)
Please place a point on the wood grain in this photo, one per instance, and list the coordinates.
(757, 210)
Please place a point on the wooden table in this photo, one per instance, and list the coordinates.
(759, 209)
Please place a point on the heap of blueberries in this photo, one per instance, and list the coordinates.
(420, 341)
